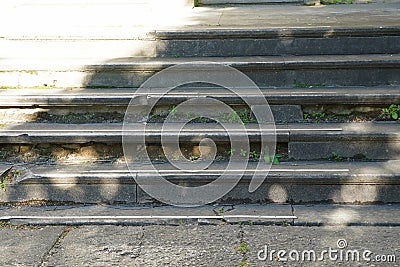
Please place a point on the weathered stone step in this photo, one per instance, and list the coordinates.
(275, 42)
(297, 182)
(210, 42)
(278, 71)
(244, 2)
(265, 2)
(360, 141)
(122, 96)
(112, 133)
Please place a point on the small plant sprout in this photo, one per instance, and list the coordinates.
(189, 116)
(267, 157)
(243, 248)
(274, 159)
(175, 157)
(243, 153)
(242, 263)
(336, 157)
(245, 116)
(193, 158)
(172, 112)
(254, 155)
(392, 111)
(231, 151)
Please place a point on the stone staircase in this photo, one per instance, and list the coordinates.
(61, 118)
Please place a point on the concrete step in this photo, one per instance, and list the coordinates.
(288, 105)
(359, 141)
(275, 42)
(278, 71)
(297, 182)
(112, 133)
(125, 19)
(305, 215)
(269, 2)
(244, 2)
(209, 42)
(309, 95)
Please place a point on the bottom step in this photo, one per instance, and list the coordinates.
(294, 182)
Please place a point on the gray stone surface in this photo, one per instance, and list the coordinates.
(120, 97)
(361, 149)
(347, 214)
(148, 246)
(249, 46)
(380, 241)
(266, 193)
(98, 246)
(84, 214)
(128, 16)
(318, 227)
(195, 245)
(26, 246)
(386, 133)
(190, 246)
(311, 215)
(77, 193)
(357, 193)
(301, 182)
(277, 71)
(287, 113)
(219, 2)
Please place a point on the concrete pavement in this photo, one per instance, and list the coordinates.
(49, 242)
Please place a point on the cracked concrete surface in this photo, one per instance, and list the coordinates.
(197, 243)
(26, 246)
(188, 245)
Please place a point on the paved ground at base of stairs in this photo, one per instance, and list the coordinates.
(84, 242)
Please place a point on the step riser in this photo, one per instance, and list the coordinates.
(279, 192)
(313, 182)
(281, 113)
(270, 192)
(108, 151)
(360, 149)
(275, 47)
(264, 76)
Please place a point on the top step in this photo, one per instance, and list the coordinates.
(127, 19)
(244, 2)
(269, 2)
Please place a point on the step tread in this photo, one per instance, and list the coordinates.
(346, 172)
(121, 96)
(322, 132)
(132, 19)
(139, 63)
(112, 128)
(278, 32)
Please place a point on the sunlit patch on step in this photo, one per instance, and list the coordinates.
(277, 194)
